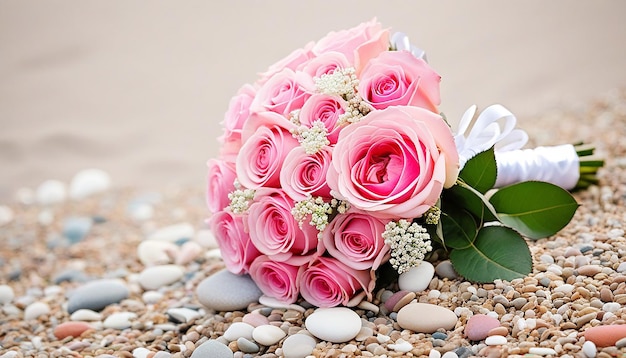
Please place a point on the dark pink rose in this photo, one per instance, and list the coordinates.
(279, 280)
(304, 175)
(220, 182)
(276, 233)
(356, 239)
(327, 109)
(395, 162)
(328, 283)
(267, 141)
(284, 92)
(325, 63)
(397, 78)
(236, 116)
(235, 245)
(359, 44)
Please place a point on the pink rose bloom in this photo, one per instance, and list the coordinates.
(359, 44)
(324, 108)
(283, 93)
(356, 239)
(276, 233)
(328, 283)
(303, 174)
(292, 61)
(279, 280)
(397, 78)
(325, 63)
(267, 141)
(220, 182)
(236, 116)
(234, 242)
(395, 162)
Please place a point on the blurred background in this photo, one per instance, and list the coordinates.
(138, 88)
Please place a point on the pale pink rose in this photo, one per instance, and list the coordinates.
(236, 116)
(359, 44)
(267, 141)
(325, 63)
(324, 108)
(276, 233)
(292, 61)
(234, 242)
(220, 182)
(304, 175)
(279, 280)
(356, 239)
(284, 92)
(397, 78)
(328, 283)
(395, 162)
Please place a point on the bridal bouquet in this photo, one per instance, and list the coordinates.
(336, 165)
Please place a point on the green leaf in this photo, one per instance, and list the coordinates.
(459, 228)
(498, 252)
(480, 171)
(464, 196)
(535, 209)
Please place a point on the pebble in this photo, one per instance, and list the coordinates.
(399, 300)
(51, 192)
(416, 279)
(621, 343)
(450, 354)
(298, 346)
(70, 329)
(154, 252)
(426, 318)
(6, 294)
(151, 297)
(183, 314)
(119, 320)
(498, 331)
(589, 270)
(479, 325)
(140, 352)
(173, 233)
(36, 309)
(401, 346)
(238, 330)
(495, 340)
(155, 277)
(267, 334)
(246, 346)
(604, 336)
(85, 315)
(445, 270)
(212, 348)
(434, 354)
(541, 351)
(96, 295)
(335, 324)
(188, 252)
(589, 349)
(225, 291)
(89, 182)
(255, 319)
(76, 228)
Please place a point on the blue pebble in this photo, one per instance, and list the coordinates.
(440, 335)
(75, 229)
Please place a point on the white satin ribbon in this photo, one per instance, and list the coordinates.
(558, 165)
(400, 42)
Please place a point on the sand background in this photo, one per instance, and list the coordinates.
(137, 88)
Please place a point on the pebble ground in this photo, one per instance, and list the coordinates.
(578, 281)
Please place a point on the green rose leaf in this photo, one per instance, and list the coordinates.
(536, 209)
(464, 196)
(498, 252)
(459, 228)
(480, 171)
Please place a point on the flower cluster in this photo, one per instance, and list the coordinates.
(332, 164)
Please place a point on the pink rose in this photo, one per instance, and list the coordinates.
(284, 92)
(267, 141)
(325, 63)
(279, 280)
(220, 182)
(359, 44)
(234, 242)
(397, 78)
(395, 162)
(324, 108)
(236, 116)
(303, 174)
(276, 233)
(356, 239)
(292, 61)
(328, 283)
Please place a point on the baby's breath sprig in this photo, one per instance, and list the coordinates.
(240, 198)
(432, 215)
(312, 139)
(320, 211)
(344, 83)
(409, 243)
(294, 117)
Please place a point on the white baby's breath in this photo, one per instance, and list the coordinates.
(409, 243)
(312, 139)
(240, 198)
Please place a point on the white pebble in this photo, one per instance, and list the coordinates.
(275, 303)
(45, 217)
(6, 294)
(142, 212)
(173, 233)
(495, 340)
(622, 267)
(155, 277)
(151, 297)
(35, 310)
(382, 338)
(450, 354)
(564, 288)
(417, 279)
(434, 354)
(434, 294)
(51, 192)
(542, 351)
(140, 352)
(267, 334)
(119, 320)
(6, 215)
(401, 346)
(88, 182)
(183, 314)
(238, 330)
(589, 349)
(336, 324)
(298, 346)
(84, 314)
(153, 252)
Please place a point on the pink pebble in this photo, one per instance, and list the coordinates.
(255, 319)
(605, 336)
(479, 325)
(70, 329)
